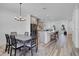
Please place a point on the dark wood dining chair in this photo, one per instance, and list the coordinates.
(57, 35)
(31, 44)
(13, 33)
(26, 33)
(65, 33)
(8, 43)
(15, 45)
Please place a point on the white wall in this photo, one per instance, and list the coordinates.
(8, 24)
(75, 24)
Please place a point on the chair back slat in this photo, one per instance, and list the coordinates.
(13, 33)
(7, 38)
(13, 41)
(26, 33)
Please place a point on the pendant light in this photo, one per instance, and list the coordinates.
(20, 18)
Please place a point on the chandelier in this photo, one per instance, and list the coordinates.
(20, 18)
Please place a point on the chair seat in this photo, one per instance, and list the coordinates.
(29, 44)
(18, 45)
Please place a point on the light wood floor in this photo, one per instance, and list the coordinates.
(50, 49)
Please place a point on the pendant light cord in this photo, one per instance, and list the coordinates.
(20, 8)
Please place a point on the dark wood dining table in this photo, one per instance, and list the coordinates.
(23, 39)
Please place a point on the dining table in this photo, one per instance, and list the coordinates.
(23, 39)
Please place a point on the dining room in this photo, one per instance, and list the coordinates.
(30, 29)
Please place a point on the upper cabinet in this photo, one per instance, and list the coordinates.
(38, 22)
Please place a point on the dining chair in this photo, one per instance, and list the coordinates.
(13, 33)
(65, 33)
(15, 45)
(26, 33)
(57, 35)
(31, 44)
(8, 43)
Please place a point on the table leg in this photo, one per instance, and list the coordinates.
(23, 50)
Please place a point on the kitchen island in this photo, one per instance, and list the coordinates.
(44, 36)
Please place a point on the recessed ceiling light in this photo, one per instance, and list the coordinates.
(47, 15)
(43, 8)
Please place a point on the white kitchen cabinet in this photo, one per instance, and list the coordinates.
(44, 36)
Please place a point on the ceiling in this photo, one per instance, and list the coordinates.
(44, 11)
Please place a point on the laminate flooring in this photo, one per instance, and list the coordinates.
(50, 49)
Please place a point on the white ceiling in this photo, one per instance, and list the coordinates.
(53, 11)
